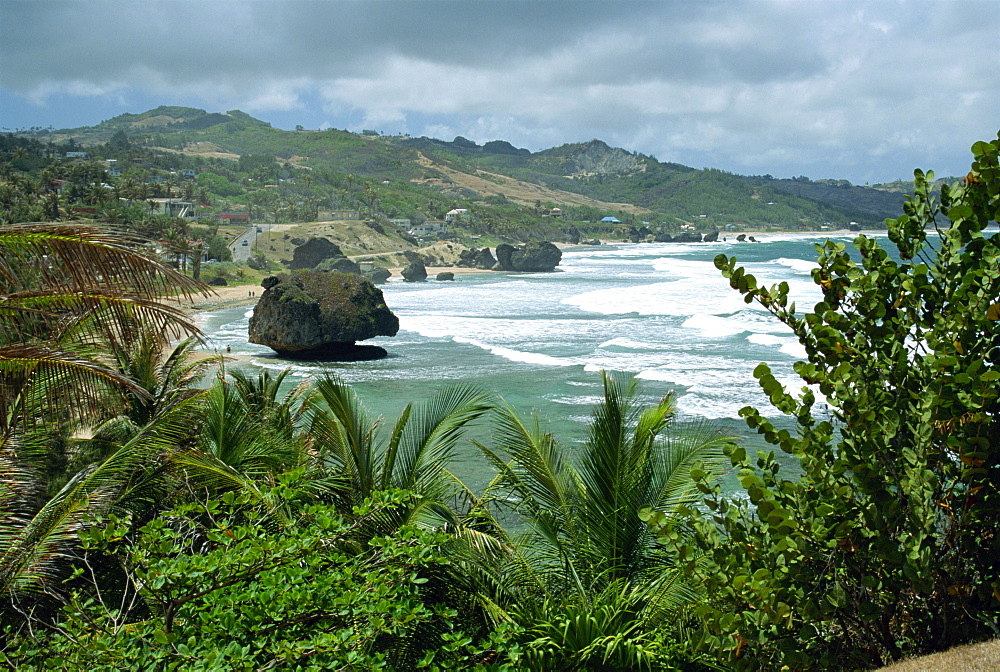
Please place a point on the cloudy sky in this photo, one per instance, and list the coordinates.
(865, 90)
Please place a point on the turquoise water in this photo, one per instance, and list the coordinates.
(659, 312)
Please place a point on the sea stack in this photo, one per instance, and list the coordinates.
(321, 315)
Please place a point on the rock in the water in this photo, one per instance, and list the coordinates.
(687, 237)
(312, 252)
(712, 237)
(415, 271)
(379, 276)
(504, 253)
(445, 275)
(532, 258)
(320, 315)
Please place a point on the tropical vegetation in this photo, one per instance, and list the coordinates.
(160, 511)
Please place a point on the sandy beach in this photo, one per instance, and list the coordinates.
(240, 295)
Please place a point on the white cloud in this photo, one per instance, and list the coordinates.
(851, 88)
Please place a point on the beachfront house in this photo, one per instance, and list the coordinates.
(429, 228)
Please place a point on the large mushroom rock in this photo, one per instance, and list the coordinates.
(415, 271)
(313, 251)
(532, 258)
(320, 315)
(712, 237)
(504, 253)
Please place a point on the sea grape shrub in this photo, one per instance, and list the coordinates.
(887, 545)
(231, 584)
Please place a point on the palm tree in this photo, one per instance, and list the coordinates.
(64, 291)
(415, 458)
(167, 380)
(585, 549)
(66, 288)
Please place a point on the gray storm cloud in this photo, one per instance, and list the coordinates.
(748, 85)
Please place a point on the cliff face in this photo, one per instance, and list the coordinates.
(319, 314)
(597, 158)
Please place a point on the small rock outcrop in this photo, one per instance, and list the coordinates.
(313, 251)
(712, 237)
(415, 271)
(339, 264)
(320, 315)
(473, 258)
(531, 258)
(378, 276)
(445, 275)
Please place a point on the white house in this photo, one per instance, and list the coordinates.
(429, 228)
(172, 207)
(455, 214)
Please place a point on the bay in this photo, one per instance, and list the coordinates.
(659, 312)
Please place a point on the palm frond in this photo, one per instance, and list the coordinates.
(40, 371)
(78, 257)
(343, 430)
(424, 442)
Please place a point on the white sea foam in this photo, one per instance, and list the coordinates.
(767, 339)
(714, 326)
(515, 355)
(794, 349)
(688, 296)
(630, 344)
(800, 266)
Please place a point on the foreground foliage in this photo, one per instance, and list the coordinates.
(889, 542)
(211, 585)
(585, 580)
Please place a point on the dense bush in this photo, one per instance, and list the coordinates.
(887, 544)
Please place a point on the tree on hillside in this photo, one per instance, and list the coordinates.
(889, 542)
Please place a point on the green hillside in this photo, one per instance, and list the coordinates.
(242, 163)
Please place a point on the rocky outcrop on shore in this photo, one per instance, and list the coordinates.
(322, 255)
(476, 258)
(415, 271)
(531, 258)
(321, 315)
(378, 276)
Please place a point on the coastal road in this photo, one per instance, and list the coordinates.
(243, 244)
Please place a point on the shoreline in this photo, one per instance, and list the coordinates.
(235, 296)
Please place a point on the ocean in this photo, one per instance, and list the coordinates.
(659, 312)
